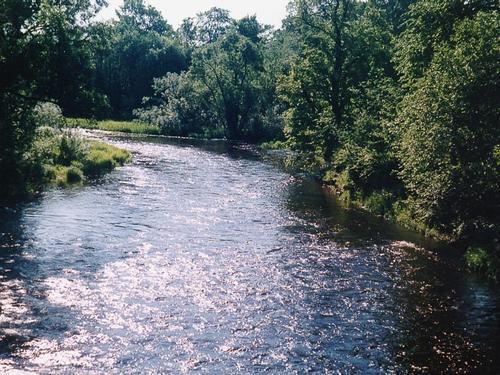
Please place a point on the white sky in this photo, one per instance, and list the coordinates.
(270, 12)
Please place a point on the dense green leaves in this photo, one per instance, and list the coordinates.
(136, 48)
(222, 94)
(43, 56)
(399, 99)
(448, 128)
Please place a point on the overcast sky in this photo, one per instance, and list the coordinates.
(268, 11)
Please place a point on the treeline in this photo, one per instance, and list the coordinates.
(394, 102)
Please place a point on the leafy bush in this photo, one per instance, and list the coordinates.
(71, 148)
(45, 148)
(174, 109)
(448, 131)
(48, 114)
(479, 260)
(380, 203)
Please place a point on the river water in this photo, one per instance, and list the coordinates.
(202, 257)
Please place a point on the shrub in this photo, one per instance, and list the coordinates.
(479, 260)
(380, 203)
(45, 147)
(48, 114)
(74, 175)
(71, 148)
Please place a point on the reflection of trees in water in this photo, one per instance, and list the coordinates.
(311, 202)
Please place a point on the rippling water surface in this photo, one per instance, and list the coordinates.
(200, 257)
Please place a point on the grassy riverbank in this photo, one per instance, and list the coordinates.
(62, 158)
(131, 127)
(98, 158)
(481, 250)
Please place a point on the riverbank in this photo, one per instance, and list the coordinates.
(480, 250)
(130, 127)
(60, 157)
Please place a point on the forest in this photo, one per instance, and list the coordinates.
(392, 103)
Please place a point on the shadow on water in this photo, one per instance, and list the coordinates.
(20, 290)
(437, 318)
(28, 318)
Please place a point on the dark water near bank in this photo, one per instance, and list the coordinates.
(199, 257)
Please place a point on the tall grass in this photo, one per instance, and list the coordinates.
(132, 127)
(65, 158)
(102, 158)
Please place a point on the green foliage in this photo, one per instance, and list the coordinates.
(394, 102)
(480, 260)
(447, 130)
(48, 114)
(380, 203)
(44, 56)
(60, 157)
(133, 50)
(401, 118)
(228, 71)
(209, 26)
(102, 158)
(222, 94)
(74, 175)
(137, 15)
(274, 145)
(71, 148)
(340, 91)
(176, 108)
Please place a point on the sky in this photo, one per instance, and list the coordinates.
(270, 12)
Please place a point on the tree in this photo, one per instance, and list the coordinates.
(212, 24)
(136, 14)
(448, 120)
(140, 48)
(316, 89)
(177, 108)
(32, 32)
(229, 70)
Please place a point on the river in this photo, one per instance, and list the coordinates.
(205, 257)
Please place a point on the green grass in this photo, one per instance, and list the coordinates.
(101, 158)
(131, 127)
(82, 159)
